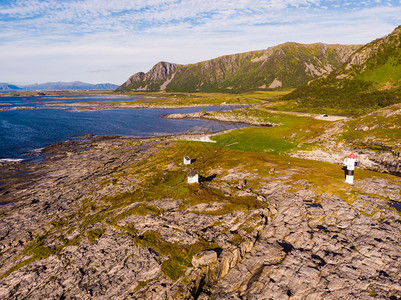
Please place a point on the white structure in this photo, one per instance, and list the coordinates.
(193, 177)
(187, 160)
(349, 163)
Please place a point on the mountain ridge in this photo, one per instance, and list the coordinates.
(160, 74)
(371, 77)
(6, 87)
(57, 86)
(287, 65)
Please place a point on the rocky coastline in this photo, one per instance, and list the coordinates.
(80, 225)
(221, 118)
(125, 105)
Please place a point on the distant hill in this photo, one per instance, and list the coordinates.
(5, 87)
(58, 86)
(289, 65)
(370, 79)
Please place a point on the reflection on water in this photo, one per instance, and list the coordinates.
(396, 205)
(37, 101)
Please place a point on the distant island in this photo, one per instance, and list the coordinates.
(57, 86)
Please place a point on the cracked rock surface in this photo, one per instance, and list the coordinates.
(114, 218)
(318, 250)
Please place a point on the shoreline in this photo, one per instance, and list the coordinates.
(106, 106)
(39, 155)
(207, 116)
(124, 105)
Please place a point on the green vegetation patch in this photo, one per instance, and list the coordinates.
(18, 266)
(254, 139)
(389, 72)
(37, 250)
(381, 128)
(141, 209)
(205, 194)
(141, 284)
(292, 133)
(93, 235)
(180, 256)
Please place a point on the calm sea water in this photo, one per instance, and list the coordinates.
(38, 101)
(22, 131)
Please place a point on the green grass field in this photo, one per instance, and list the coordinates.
(292, 131)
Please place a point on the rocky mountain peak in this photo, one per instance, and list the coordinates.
(154, 80)
(161, 71)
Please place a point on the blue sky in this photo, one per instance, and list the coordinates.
(109, 40)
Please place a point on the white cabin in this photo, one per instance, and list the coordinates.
(187, 160)
(193, 177)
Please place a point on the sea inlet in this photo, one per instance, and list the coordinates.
(26, 123)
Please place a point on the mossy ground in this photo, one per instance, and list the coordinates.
(382, 128)
(180, 256)
(163, 177)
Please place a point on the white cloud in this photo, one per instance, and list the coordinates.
(66, 40)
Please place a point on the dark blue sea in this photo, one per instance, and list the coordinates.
(26, 130)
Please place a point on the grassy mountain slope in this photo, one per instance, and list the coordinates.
(369, 80)
(380, 129)
(288, 65)
(284, 66)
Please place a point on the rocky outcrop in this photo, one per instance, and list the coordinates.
(364, 135)
(275, 84)
(220, 117)
(155, 80)
(319, 249)
(374, 160)
(372, 50)
(109, 217)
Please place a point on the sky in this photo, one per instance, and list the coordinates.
(99, 41)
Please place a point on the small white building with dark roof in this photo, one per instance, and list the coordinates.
(187, 160)
(193, 177)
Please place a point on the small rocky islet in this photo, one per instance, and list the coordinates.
(113, 217)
